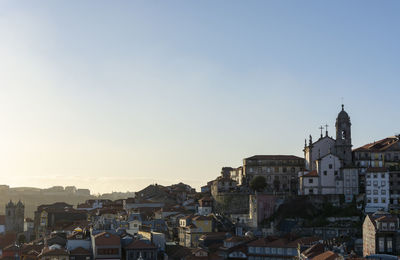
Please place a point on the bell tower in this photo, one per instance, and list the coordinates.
(343, 137)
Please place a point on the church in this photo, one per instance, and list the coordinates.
(329, 165)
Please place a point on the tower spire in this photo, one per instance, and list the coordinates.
(321, 128)
(326, 129)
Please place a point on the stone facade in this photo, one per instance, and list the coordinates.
(14, 219)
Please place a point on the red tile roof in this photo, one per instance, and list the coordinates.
(79, 251)
(106, 239)
(379, 146)
(311, 174)
(377, 169)
(328, 255)
(274, 157)
(52, 252)
(139, 244)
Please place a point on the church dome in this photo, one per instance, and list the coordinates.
(343, 114)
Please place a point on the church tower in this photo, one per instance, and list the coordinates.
(343, 137)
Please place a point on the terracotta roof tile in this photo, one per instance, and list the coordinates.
(139, 244)
(311, 174)
(328, 255)
(106, 238)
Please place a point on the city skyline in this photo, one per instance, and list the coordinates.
(114, 97)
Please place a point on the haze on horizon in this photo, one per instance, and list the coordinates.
(116, 95)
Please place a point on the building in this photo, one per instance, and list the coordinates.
(382, 153)
(380, 234)
(341, 146)
(191, 228)
(80, 253)
(278, 248)
(205, 206)
(377, 189)
(106, 246)
(261, 207)
(329, 164)
(140, 249)
(53, 253)
(280, 171)
(14, 219)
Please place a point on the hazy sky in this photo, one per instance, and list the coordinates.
(115, 95)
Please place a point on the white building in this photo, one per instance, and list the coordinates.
(377, 189)
(329, 178)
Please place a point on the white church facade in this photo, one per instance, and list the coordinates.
(329, 167)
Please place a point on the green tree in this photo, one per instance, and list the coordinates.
(258, 183)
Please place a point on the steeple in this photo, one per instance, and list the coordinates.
(343, 137)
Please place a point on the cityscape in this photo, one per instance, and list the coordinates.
(335, 202)
(199, 130)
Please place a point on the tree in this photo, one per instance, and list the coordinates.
(277, 184)
(258, 183)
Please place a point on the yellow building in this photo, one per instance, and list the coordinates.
(192, 228)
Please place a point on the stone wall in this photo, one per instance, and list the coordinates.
(231, 202)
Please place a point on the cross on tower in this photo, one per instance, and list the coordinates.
(326, 129)
(321, 128)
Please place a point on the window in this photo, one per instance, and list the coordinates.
(383, 183)
(368, 175)
(383, 192)
(330, 166)
(375, 200)
(369, 200)
(382, 175)
(310, 180)
(311, 191)
(389, 244)
(375, 192)
(325, 172)
(336, 173)
(368, 192)
(375, 183)
(368, 183)
(383, 200)
(392, 226)
(375, 176)
(381, 244)
(284, 169)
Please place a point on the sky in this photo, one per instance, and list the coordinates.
(117, 95)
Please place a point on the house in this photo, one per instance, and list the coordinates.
(78, 239)
(381, 153)
(380, 234)
(53, 253)
(377, 189)
(205, 206)
(80, 253)
(106, 246)
(140, 248)
(278, 248)
(135, 221)
(192, 228)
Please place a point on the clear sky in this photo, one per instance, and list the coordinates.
(116, 95)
